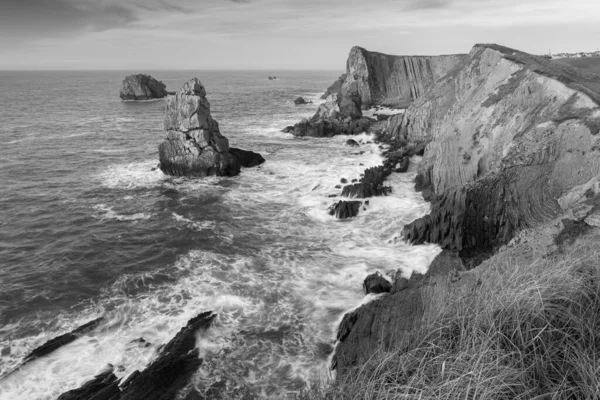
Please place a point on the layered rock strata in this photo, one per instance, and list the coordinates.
(510, 150)
(142, 87)
(508, 138)
(194, 145)
(395, 81)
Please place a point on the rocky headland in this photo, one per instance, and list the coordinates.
(510, 163)
(194, 145)
(142, 87)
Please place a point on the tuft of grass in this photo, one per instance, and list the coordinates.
(529, 331)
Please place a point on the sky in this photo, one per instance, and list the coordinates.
(277, 34)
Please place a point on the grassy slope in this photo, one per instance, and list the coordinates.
(590, 64)
(584, 80)
(530, 330)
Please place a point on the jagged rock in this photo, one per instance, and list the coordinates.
(142, 87)
(288, 129)
(370, 185)
(104, 386)
(247, 158)
(343, 180)
(194, 145)
(352, 143)
(335, 88)
(345, 209)
(388, 322)
(375, 283)
(508, 137)
(395, 81)
(163, 379)
(300, 101)
(62, 340)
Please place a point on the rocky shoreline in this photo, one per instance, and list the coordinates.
(509, 145)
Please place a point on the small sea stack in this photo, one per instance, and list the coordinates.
(142, 87)
(194, 145)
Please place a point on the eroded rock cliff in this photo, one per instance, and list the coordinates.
(507, 136)
(396, 81)
(511, 155)
(194, 145)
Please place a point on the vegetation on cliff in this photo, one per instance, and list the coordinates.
(531, 330)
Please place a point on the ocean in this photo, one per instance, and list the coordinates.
(89, 227)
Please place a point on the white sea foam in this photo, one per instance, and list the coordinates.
(307, 273)
(106, 212)
(132, 175)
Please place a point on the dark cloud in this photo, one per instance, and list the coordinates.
(51, 17)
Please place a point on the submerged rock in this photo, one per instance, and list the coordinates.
(142, 87)
(62, 340)
(300, 101)
(194, 145)
(352, 143)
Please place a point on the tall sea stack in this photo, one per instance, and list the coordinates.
(194, 145)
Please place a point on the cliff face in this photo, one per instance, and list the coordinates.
(511, 146)
(395, 80)
(507, 135)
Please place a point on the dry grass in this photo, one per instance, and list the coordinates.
(533, 334)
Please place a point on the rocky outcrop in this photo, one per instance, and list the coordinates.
(395, 81)
(164, 378)
(376, 284)
(509, 138)
(340, 114)
(194, 145)
(510, 146)
(300, 101)
(142, 87)
(247, 158)
(388, 322)
(335, 88)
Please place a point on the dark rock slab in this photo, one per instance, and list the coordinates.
(375, 284)
(161, 380)
(104, 386)
(345, 209)
(370, 185)
(247, 158)
(62, 340)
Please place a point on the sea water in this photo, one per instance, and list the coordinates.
(89, 227)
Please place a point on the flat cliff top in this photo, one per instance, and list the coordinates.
(362, 49)
(575, 78)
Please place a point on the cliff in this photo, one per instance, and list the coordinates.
(509, 139)
(511, 161)
(396, 81)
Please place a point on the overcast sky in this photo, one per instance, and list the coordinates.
(277, 34)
